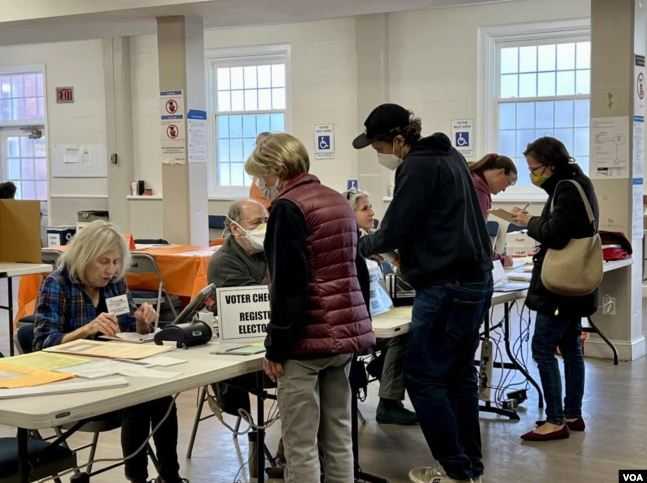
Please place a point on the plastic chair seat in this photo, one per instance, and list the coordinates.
(46, 463)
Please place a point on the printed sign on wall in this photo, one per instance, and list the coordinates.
(462, 139)
(172, 135)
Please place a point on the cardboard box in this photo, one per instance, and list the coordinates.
(20, 231)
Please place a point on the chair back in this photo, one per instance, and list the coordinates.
(143, 263)
(25, 338)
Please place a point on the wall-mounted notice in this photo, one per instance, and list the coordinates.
(324, 141)
(610, 147)
(197, 133)
(243, 312)
(79, 161)
(462, 137)
(639, 85)
(172, 137)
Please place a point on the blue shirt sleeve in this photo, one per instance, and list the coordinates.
(49, 316)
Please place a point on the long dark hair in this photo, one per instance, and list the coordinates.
(494, 161)
(552, 152)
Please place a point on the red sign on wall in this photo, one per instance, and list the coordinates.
(64, 95)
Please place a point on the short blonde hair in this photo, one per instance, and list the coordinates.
(281, 155)
(94, 240)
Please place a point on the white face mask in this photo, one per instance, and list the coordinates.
(269, 192)
(255, 237)
(389, 161)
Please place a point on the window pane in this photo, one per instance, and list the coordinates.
(248, 147)
(506, 143)
(563, 113)
(13, 146)
(13, 165)
(237, 171)
(40, 165)
(250, 77)
(236, 151)
(583, 55)
(540, 133)
(28, 190)
(583, 161)
(527, 85)
(509, 85)
(5, 110)
(565, 136)
(566, 83)
(26, 146)
(236, 77)
(583, 82)
(17, 86)
(41, 190)
(278, 75)
(223, 151)
(40, 148)
(18, 188)
(507, 119)
(31, 108)
(30, 85)
(565, 56)
(249, 126)
(265, 99)
(546, 54)
(27, 168)
(526, 115)
(264, 76)
(528, 59)
(509, 57)
(223, 79)
(236, 126)
(263, 122)
(581, 142)
(278, 98)
(546, 84)
(582, 113)
(544, 115)
(277, 123)
(5, 86)
(39, 85)
(237, 101)
(18, 108)
(224, 103)
(223, 174)
(223, 126)
(41, 107)
(251, 100)
(524, 138)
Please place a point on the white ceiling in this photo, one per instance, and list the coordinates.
(46, 20)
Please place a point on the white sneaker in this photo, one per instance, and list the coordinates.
(429, 474)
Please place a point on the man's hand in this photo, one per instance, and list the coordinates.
(273, 370)
(520, 216)
(105, 323)
(145, 315)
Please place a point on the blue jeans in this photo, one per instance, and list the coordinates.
(440, 374)
(550, 333)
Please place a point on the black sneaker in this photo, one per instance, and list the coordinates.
(393, 412)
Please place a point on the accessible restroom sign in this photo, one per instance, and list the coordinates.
(462, 137)
(243, 312)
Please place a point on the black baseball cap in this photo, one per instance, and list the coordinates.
(382, 121)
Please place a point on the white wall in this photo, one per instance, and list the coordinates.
(323, 89)
(77, 64)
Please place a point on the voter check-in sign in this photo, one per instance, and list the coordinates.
(243, 312)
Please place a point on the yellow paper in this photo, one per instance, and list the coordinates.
(46, 360)
(110, 350)
(12, 377)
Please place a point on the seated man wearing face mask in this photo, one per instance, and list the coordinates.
(239, 262)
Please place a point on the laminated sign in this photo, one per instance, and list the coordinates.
(243, 312)
(172, 127)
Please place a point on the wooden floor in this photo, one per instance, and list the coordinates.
(615, 408)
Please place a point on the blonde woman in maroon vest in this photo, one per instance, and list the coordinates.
(319, 315)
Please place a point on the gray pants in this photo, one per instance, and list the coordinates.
(314, 401)
(392, 380)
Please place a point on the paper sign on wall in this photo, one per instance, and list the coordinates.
(462, 137)
(198, 135)
(172, 136)
(243, 312)
(640, 89)
(610, 147)
(324, 141)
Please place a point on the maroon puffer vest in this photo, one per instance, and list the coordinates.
(338, 320)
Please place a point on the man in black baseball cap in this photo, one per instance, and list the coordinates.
(435, 223)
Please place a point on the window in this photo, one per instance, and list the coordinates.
(249, 97)
(537, 83)
(26, 165)
(22, 97)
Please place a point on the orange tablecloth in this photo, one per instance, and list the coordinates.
(183, 269)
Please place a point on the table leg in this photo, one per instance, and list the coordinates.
(23, 454)
(513, 359)
(10, 308)
(260, 432)
(594, 328)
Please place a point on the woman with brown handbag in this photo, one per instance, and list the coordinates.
(570, 213)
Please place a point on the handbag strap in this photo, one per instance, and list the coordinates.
(585, 200)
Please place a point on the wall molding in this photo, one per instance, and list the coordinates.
(77, 197)
(628, 350)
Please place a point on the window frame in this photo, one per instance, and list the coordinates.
(28, 69)
(232, 57)
(491, 39)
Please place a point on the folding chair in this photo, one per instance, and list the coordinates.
(145, 263)
(49, 256)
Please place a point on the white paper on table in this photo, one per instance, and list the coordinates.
(162, 361)
(64, 387)
(103, 368)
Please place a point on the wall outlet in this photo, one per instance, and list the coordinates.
(608, 305)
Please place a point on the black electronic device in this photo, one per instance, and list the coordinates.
(187, 331)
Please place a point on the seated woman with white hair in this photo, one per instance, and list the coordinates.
(72, 305)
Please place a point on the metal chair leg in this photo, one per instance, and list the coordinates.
(93, 451)
(153, 457)
(201, 400)
(237, 427)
